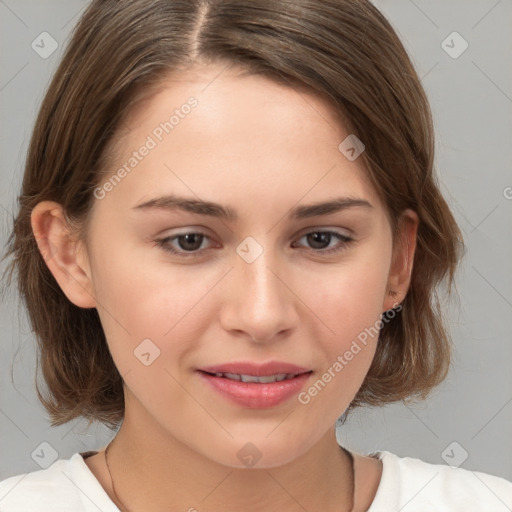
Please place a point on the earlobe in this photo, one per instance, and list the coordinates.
(63, 254)
(402, 263)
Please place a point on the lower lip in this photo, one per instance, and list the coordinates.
(255, 395)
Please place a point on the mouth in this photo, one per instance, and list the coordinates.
(266, 379)
(256, 391)
(249, 369)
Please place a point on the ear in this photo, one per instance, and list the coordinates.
(402, 261)
(64, 255)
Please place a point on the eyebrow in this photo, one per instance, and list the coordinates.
(199, 207)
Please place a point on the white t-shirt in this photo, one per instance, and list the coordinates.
(407, 485)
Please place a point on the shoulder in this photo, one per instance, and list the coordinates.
(38, 490)
(413, 485)
(65, 485)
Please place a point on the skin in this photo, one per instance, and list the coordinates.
(263, 149)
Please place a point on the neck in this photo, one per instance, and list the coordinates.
(152, 472)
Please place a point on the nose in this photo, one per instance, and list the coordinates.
(259, 301)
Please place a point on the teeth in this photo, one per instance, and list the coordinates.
(252, 378)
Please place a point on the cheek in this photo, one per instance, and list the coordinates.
(142, 300)
(351, 307)
(352, 298)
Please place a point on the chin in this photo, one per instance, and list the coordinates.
(256, 455)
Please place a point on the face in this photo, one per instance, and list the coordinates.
(178, 290)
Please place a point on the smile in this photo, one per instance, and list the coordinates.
(253, 378)
(256, 391)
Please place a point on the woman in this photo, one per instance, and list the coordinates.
(230, 233)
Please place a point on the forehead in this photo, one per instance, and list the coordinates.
(232, 96)
(218, 128)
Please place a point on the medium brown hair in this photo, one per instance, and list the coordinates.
(120, 51)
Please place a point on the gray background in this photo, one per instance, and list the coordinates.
(471, 98)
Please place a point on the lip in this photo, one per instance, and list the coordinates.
(254, 395)
(258, 370)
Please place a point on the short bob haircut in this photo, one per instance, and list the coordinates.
(122, 51)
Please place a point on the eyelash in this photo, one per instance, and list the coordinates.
(164, 243)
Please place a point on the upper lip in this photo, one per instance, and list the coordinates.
(258, 370)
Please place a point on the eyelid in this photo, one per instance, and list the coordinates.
(343, 241)
(324, 228)
(199, 230)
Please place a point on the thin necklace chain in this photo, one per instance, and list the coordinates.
(125, 508)
(352, 478)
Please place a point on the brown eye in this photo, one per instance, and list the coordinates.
(188, 244)
(321, 239)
